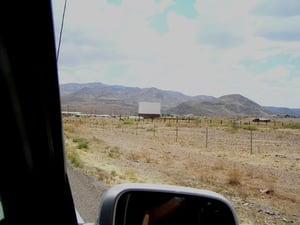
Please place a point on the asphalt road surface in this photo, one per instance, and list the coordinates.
(87, 192)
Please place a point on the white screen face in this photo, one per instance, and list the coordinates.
(149, 108)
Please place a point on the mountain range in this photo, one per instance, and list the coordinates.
(101, 98)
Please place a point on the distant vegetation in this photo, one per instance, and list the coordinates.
(292, 125)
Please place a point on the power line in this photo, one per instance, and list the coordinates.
(61, 30)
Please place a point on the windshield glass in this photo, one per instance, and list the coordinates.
(198, 93)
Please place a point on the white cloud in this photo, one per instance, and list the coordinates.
(224, 11)
(145, 8)
(82, 74)
(277, 8)
(280, 29)
(275, 75)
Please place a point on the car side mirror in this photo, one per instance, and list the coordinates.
(148, 204)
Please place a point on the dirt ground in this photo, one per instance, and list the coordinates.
(256, 166)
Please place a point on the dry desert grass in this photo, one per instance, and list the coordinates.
(257, 167)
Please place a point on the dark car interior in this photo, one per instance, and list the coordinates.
(34, 186)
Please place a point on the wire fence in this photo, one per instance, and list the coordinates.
(213, 137)
(242, 135)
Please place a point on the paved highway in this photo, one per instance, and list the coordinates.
(87, 192)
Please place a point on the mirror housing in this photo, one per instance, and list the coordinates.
(152, 204)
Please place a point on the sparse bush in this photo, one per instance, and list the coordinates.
(114, 153)
(134, 156)
(234, 176)
(169, 124)
(103, 123)
(233, 126)
(73, 159)
(102, 175)
(271, 185)
(214, 123)
(279, 136)
(219, 165)
(150, 129)
(119, 125)
(113, 173)
(69, 128)
(97, 140)
(131, 175)
(147, 159)
(128, 122)
(250, 127)
(292, 126)
(81, 143)
(197, 121)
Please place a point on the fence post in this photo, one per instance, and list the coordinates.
(176, 133)
(251, 142)
(206, 139)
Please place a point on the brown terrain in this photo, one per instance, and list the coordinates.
(256, 166)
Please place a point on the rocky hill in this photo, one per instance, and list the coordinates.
(100, 98)
(113, 94)
(229, 106)
(283, 111)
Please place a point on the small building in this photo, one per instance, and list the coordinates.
(265, 120)
(149, 110)
(67, 113)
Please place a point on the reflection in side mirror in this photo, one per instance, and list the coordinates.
(144, 204)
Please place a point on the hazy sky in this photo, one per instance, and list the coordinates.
(197, 47)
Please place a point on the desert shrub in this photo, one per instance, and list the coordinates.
(216, 123)
(69, 128)
(292, 126)
(234, 176)
(233, 126)
(150, 129)
(219, 165)
(197, 121)
(81, 143)
(114, 153)
(128, 122)
(113, 173)
(130, 174)
(169, 124)
(134, 156)
(73, 159)
(249, 127)
(103, 123)
(102, 175)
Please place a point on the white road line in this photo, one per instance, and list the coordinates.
(79, 218)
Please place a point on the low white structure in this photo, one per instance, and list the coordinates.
(64, 113)
(136, 117)
(149, 109)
